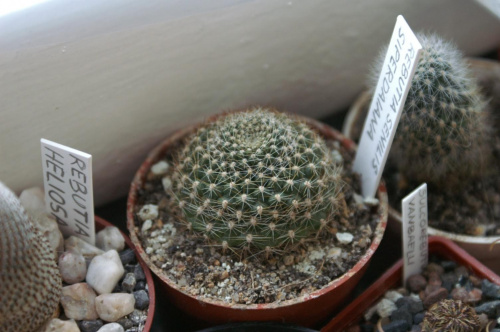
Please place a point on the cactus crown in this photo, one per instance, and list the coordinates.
(451, 315)
(441, 134)
(257, 180)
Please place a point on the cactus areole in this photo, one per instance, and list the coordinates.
(257, 180)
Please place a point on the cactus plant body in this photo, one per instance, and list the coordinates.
(30, 283)
(441, 138)
(257, 180)
(451, 315)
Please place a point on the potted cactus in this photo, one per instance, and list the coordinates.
(447, 138)
(221, 211)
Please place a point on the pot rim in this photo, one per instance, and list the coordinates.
(325, 131)
(347, 129)
(149, 278)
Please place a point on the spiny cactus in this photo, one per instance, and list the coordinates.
(257, 180)
(30, 283)
(451, 315)
(441, 138)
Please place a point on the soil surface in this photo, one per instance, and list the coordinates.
(203, 269)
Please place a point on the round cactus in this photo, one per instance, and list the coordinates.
(30, 282)
(451, 315)
(257, 180)
(441, 138)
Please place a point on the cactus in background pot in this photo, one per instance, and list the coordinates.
(257, 180)
(442, 138)
(30, 282)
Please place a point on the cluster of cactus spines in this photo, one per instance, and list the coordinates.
(257, 180)
(30, 282)
(451, 315)
(441, 138)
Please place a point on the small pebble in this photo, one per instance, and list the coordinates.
(104, 272)
(139, 273)
(418, 318)
(393, 295)
(448, 265)
(148, 211)
(166, 183)
(490, 289)
(288, 260)
(90, 325)
(414, 305)
(416, 283)
(402, 313)
(396, 326)
(460, 293)
(146, 225)
(111, 307)
(57, 325)
(385, 308)
(160, 168)
(127, 256)
(344, 238)
(86, 249)
(371, 201)
(141, 299)
(110, 238)
(126, 323)
(128, 283)
(474, 295)
(140, 285)
(436, 296)
(433, 267)
(489, 308)
(111, 327)
(78, 302)
(72, 266)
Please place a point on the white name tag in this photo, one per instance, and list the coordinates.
(67, 178)
(387, 104)
(415, 242)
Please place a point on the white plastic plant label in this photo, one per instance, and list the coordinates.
(67, 177)
(387, 104)
(415, 238)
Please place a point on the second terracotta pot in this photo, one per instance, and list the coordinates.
(308, 310)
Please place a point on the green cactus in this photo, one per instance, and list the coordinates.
(441, 138)
(257, 180)
(30, 282)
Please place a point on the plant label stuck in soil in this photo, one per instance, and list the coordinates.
(67, 178)
(387, 104)
(415, 238)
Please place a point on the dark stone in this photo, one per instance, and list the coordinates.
(141, 299)
(465, 282)
(418, 318)
(140, 285)
(127, 256)
(488, 308)
(416, 328)
(448, 265)
(135, 317)
(433, 267)
(449, 280)
(90, 325)
(396, 326)
(366, 327)
(416, 283)
(129, 268)
(414, 305)
(490, 290)
(128, 283)
(139, 273)
(125, 323)
(402, 313)
(434, 297)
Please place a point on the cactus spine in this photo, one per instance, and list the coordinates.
(30, 283)
(441, 138)
(257, 180)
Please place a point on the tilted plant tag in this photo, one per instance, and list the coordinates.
(67, 178)
(415, 238)
(387, 104)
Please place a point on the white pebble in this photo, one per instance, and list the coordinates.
(334, 253)
(33, 200)
(371, 201)
(105, 271)
(111, 307)
(110, 238)
(392, 295)
(160, 168)
(148, 211)
(86, 249)
(111, 327)
(337, 157)
(344, 238)
(358, 199)
(72, 267)
(167, 183)
(78, 302)
(369, 313)
(57, 325)
(146, 225)
(385, 308)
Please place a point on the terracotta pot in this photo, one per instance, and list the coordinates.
(392, 279)
(307, 310)
(101, 224)
(485, 249)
